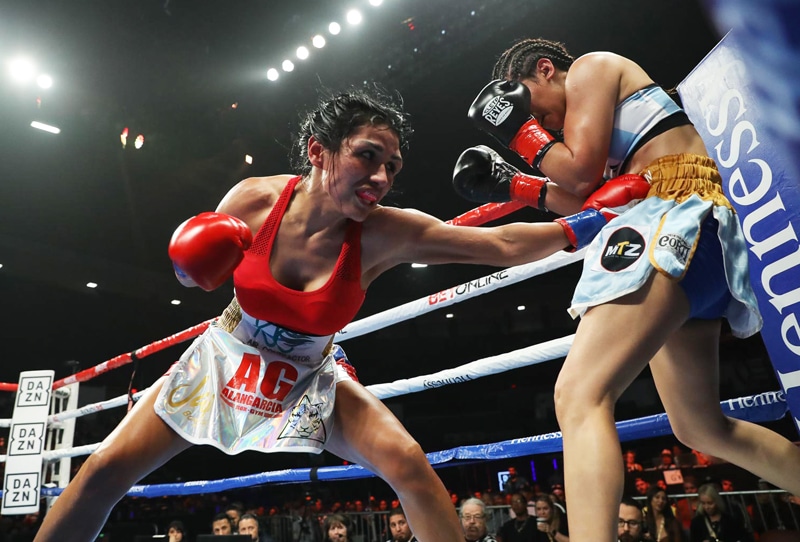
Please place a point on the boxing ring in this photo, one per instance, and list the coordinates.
(768, 406)
(699, 99)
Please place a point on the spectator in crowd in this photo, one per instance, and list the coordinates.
(667, 462)
(399, 528)
(176, 532)
(234, 511)
(630, 461)
(497, 515)
(714, 523)
(473, 521)
(523, 527)
(641, 485)
(336, 528)
(726, 485)
(686, 508)
(774, 510)
(701, 459)
(514, 483)
(221, 524)
(305, 525)
(550, 520)
(251, 525)
(559, 497)
(659, 520)
(631, 521)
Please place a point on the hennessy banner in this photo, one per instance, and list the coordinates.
(761, 185)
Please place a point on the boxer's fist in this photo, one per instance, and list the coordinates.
(208, 247)
(481, 175)
(607, 202)
(503, 110)
(618, 195)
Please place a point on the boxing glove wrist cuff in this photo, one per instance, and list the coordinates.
(532, 142)
(581, 228)
(531, 191)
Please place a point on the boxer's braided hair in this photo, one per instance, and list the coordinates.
(520, 60)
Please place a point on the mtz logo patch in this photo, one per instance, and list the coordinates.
(622, 249)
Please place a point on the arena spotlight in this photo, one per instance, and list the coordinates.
(418, 265)
(248, 159)
(138, 143)
(334, 28)
(44, 81)
(45, 127)
(520, 307)
(354, 16)
(91, 285)
(302, 52)
(375, 2)
(176, 302)
(287, 65)
(21, 69)
(272, 74)
(123, 137)
(318, 41)
(449, 315)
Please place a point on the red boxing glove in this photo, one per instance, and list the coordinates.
(618, 195)
(208, 247)
(532, 142)
(607, 202)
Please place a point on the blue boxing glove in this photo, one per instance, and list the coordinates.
(607, 202)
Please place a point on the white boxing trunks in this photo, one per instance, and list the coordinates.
(256, 387)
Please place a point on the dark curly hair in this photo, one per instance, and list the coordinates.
(340, 115)
(520, 60)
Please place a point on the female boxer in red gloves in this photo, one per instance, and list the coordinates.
(266, 376)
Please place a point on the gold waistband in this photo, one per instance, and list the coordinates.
(679, 176)
(231, 316)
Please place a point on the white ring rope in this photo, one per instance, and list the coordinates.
(484, 367)
(457, 294)
(515, 359)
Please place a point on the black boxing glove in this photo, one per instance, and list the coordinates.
(481, 175)
(503, 110)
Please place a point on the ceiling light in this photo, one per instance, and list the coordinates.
(318, 41)
(334, 28)
(45, 127)
(176, 302)
(91, 285)
(521, 308)
(248, 159)
(449, 315)
(44, 81)
(272, 74)
(376, 2)
(354, 16)
(419, 265)
(302, 52)
(21, 69)
(287, 65)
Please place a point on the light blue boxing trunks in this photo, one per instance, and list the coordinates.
(685, 229)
